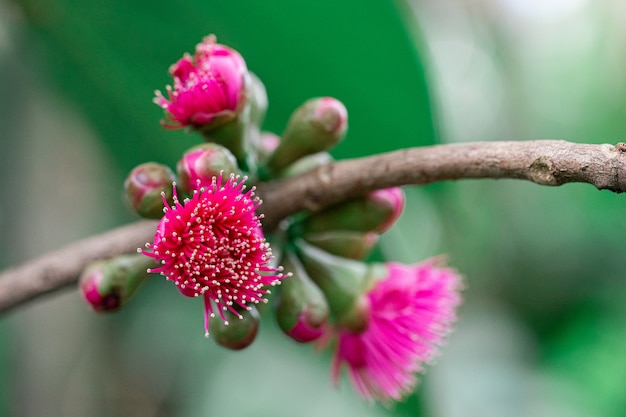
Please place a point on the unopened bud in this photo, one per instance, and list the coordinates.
(375, 212)
(144, 186)
(201, 163)
(343, 282)
(301, 309)
(316, 126)
(238, 331)
(267, 144)
(344, 243)
(108, 285)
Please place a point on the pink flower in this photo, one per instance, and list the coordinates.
(209, 86)
(412, 309)
(212, 245)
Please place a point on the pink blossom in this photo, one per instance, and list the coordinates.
(209, 85)
(212, 245)
(412, 310)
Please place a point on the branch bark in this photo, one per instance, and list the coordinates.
(549, 162)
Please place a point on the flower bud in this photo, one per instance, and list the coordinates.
(201, 163)
(343, 282)
(318, 125)
(144, 186)
(301, 309)
(375, 212)
(344, 243)
(209, 88)
(108, 285)
(237, 332)
(268, 142)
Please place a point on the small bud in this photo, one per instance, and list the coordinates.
(201, 163)
(301, 309)
(144, 186)
(268, 142)
(343, 282)
(108, 285)
(237, 332)
(390, 200)
(345, 243)
(375, 212)
(316, 126)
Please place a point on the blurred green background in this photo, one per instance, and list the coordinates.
(543, 326)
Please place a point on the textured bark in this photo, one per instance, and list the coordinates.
(549, 162)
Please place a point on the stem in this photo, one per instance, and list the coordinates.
(549, 162)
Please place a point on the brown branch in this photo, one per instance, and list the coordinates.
(61, 268)
(549, 162)
(545, 162)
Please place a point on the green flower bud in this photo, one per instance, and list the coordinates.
(343, 282)
(108, 285)
(375, 212)
(144, 186)
(344, 243)
(301, 309)
(237, 332)
(316, 126)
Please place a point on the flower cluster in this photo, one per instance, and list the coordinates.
(386, 321)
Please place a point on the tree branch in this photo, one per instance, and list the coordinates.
(549, 162)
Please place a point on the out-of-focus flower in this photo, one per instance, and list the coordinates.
(201, 163)
(209, 87)
(412, 309)
(212, 245)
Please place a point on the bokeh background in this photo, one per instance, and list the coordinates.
(542, 331)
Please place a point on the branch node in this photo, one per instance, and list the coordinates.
(542, 171)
